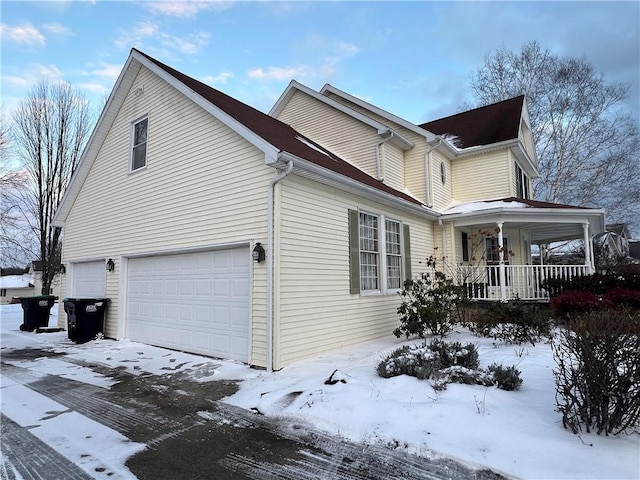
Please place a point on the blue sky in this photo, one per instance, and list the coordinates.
(413, 59)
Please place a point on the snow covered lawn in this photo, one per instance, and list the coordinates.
(516, 433)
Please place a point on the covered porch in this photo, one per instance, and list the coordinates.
(491, 244)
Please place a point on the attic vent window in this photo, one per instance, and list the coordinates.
(443, 173)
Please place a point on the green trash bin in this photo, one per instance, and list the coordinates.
(36, 311)
(85, 318)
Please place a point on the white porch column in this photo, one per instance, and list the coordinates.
(588, 252)
(503, 277)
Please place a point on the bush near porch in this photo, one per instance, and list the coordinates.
(596, 345)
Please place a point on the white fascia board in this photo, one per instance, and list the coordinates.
(377, 110)
(595, 217)
(381, 128)
(97, 138)
(329, 177)
(270, 152)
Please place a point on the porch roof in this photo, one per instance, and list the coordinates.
(545, 222)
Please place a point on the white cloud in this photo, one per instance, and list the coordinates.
(92, 87)
(185, 8)
(110, 71)
(25, 34)
(277, 73)
(219, 79)
(32, 74)
(143, 31)
(57, 29)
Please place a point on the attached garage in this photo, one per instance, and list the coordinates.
(89, 280)
(196, 302)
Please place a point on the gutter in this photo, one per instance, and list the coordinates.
(271, 260)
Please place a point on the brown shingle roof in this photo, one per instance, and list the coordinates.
(481, 126)
(277, 133)
(538, 203)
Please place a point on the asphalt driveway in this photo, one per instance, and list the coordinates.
(189, 433)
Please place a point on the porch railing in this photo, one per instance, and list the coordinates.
(525, 282)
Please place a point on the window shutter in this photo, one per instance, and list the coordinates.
(407, 251)
(354, 251)
(465, 247)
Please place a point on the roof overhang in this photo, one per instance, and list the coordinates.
(330, 89)
(312, 171)
(544, 225)
(382, 129)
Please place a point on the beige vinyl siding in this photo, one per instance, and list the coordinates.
(316, 310)
(203, 185)
(442, 193)
(414, 171)
(343, 135)
(481, 177)
(393, 171)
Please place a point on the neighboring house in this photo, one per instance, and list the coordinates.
(27, 284)
(217, 229)
(14, 286)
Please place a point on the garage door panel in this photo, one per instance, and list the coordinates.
(197, 302)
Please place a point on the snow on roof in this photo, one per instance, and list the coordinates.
(469, 207)
(16, 281)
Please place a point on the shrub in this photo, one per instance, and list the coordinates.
(623, 297)
(598, 372)
(575, 302)
(626, 277)
(445, 363)
(429, 304)
(513, 322)
(506, 378)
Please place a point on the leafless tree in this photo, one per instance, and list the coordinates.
(15, 245)
(588, 145)
(51, 127)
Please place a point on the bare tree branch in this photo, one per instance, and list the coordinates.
(51, 127)
(588, 147)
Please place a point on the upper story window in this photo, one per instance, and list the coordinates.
(139, 144)
(522, 183)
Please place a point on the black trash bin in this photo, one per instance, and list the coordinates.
(36, 311)
(85, 318)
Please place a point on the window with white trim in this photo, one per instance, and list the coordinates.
(393, 249)
(139, 143)
(522, 183)
(369, 252)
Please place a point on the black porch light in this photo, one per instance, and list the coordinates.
(110, 265)
(258, 253)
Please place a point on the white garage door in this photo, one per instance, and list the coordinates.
(196, 302)
(89, 280)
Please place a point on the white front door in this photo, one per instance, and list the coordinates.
(194, 302)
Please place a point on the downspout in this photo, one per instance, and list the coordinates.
(427, 173)
(379, 166)
(443, 238)
(271, 261)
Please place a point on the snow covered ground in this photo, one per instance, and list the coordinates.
(516, 433)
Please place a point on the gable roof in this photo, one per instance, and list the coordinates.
(486, 125)
(382, 129)
(268, 134)
(277, 133)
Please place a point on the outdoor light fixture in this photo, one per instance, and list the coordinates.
(63, 269)
(110, 265)
(258, 253)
